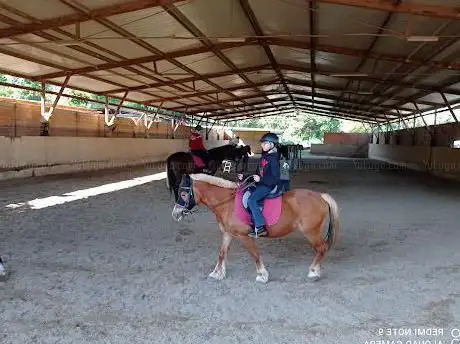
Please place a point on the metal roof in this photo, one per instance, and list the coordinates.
(368, 60)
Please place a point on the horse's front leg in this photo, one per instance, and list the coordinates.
(219, 272)
(262, 273)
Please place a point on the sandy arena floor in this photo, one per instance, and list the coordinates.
(115, 268)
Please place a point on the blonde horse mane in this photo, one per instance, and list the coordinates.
(221, 182)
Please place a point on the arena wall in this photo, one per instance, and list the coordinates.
(417, 149)
(79, 140)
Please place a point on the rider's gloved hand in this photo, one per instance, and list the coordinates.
(240, 176)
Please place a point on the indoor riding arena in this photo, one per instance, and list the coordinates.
(90, 249)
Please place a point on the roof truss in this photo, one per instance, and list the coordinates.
(217, 98)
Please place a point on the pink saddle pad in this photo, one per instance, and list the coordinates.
(271, 210)
(198, 161)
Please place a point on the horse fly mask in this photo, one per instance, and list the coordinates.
(185, 201)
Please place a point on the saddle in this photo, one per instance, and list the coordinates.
(270, 207)
(276, 192)
(200, 165)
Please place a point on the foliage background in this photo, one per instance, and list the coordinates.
(296, 128)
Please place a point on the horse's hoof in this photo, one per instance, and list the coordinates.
(3, 277)
(262, 278)
(217, 275)
(313, 276)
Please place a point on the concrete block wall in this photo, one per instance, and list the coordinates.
(343, 144)
(440, 161)
(443, 136)
(346, 138)
(415, 148)
(342, 150)
(22, 118)
(42, 155)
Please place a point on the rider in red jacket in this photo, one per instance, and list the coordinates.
(196, 140)
(196, 145)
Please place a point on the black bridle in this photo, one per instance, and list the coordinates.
(186, 198)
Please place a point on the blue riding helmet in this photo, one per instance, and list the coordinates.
(270, 137)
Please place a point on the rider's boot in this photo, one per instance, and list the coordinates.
(259, 231)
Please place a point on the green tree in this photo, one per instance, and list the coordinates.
(78, 102)
(295, 128)
(5, 91)
(315, 127)
(32, 95)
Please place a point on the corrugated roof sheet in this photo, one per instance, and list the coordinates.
(231, 53)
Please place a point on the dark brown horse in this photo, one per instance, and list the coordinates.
(241, 155)
(316, 215)
(180, 163)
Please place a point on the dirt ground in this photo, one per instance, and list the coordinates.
(115, 268)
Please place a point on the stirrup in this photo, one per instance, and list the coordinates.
(254, 233)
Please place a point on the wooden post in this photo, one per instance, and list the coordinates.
(44, 124)
(449, 107)
(424, 122)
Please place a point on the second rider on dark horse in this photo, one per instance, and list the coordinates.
(197, 147)
(180, 163)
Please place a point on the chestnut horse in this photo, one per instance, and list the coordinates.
(301, 209)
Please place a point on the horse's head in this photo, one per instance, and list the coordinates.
(185, 201)
(221, 153)
(202, 189)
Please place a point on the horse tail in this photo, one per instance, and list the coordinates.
(170, 179)
(334, 214)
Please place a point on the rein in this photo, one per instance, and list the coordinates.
(239, 188)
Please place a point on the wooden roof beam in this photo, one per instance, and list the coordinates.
(290, 108)
(368, 53)
(215, 48)
(108, 56)
(263, 67)
(296, 82)
(222, 113)
(435, 11)
(121, 31)
(309, 111)
(418, 79)
(191, 79)
(258, 30)
(390, 82)
(101, 12)
(272, 41)
(141, 60)
(64, 94)
(293, 92)
(289, 81)
(203, 93)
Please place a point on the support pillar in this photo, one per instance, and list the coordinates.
(424, 122)
(46, 115)
(449, 107)
(44, 120)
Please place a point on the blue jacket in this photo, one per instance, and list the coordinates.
(269, 169)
